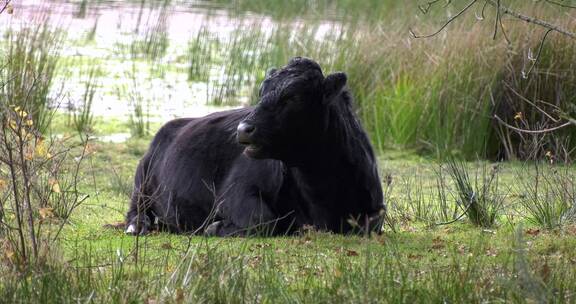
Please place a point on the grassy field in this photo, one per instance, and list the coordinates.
(460, 227)
(416, 259)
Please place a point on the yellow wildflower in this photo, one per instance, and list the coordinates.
(46, 212)
(20, 112)
(9, 254)
(25, 135)
(55, 187)
(41, 150)
(29, 155)
(12, 124)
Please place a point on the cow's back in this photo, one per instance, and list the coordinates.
(191, 159)
(202, 150)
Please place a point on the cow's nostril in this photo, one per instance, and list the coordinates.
(249, 129)
(245, 128)
(244, 133)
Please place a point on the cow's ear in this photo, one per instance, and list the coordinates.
(270, 72)
(333, 86)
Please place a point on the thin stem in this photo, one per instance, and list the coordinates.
(532, 131)
(26, 177)
(496, 22)
(525, 74)
(446, 23)
(5, 6)
(16, 194)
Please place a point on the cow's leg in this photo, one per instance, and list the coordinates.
(243, 216)
(140, 215)
(223, 228)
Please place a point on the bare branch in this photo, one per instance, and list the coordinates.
(547, 130)
(425, 8)
(553, 27)
(446, 23)
(531, 103)
(504, 30)
(6, 4)
(482, 14)
(560, 4)
(525, 74)
(497, 21)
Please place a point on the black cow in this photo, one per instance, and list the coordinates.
(299, 158)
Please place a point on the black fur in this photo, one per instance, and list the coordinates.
(300, 157)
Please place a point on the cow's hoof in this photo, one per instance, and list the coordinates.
(213, 229)
(133, 229)
(224, 228)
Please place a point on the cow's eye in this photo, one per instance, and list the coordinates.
(291, 99)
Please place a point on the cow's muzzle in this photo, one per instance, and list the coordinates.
(244, 133)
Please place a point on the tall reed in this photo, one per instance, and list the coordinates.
(29, 67)
(437, 95)
(83, 119)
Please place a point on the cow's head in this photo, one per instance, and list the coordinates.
(290, 115)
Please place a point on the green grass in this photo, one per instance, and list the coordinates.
(420, 100)
(457, 264)
(417, 262)
(154, 41)
(548, 194)
(371, 10)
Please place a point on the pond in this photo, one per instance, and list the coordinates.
(162, 59)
